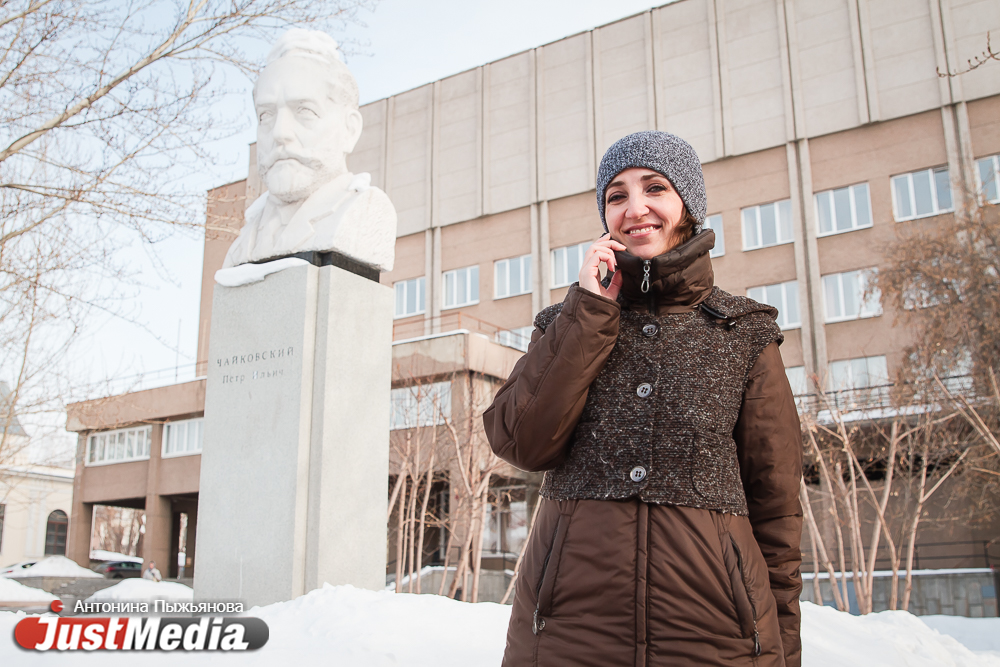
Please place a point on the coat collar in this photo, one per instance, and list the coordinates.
(679, 280)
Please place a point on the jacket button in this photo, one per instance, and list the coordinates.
(650, 330)
(644, 390)
(638, 474)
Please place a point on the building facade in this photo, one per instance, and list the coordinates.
(824, 130)
(35, 500)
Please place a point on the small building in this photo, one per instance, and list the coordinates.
(35, 501)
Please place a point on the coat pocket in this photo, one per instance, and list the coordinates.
(746, 610)
(550, 569)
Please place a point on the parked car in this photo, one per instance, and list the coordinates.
(119, 569)
(16, 567)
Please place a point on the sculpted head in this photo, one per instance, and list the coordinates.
(306, 102)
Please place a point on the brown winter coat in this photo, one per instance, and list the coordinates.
(625, 582)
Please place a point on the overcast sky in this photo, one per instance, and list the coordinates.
(405, 44)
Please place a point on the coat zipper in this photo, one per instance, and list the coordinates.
(644, 286)
(753, 607)
(538, 623)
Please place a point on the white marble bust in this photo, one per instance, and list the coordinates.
(306, 102)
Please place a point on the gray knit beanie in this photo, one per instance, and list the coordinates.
(664, 153)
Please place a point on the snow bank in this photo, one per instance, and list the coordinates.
(979, 634)
(101, 554)
(348, 627)
(55, 566)
(12, 591)
(143, 590)
(831, 638)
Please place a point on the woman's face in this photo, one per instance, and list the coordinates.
(643, 211)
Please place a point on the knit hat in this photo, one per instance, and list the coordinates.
(664, 153)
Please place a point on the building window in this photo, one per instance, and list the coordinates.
(988, 172)
(461, 287)
(784, 297)
(767, 225)
(420, 405)
(183, 437)
(512, 277)
(797, 380)
(127, 444)
(843, 209)
(2, 508)
(409, 297)
(566, 263)
(55, 534)
(516, 338)
(921, 193)
(860, 373)
(714, 222)
(844, 296)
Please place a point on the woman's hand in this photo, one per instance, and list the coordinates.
(602, 250)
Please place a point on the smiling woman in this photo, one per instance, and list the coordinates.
(658, 407)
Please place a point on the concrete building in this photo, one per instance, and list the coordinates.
(823, 127)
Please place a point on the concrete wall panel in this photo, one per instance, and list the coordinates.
(410, 158)
(827, 68)
(508, 150)
(970, 22)
(753, 62)
(457, 163)
(685, 100)
(565, 122)
(903, 46)
(621, 92)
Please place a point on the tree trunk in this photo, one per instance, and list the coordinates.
(400, 533)
(411, 519)
(423, 518)
(477, 550)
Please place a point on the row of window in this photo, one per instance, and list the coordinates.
(846, 296)
(859, 373)
(180, 438)
(914, 195)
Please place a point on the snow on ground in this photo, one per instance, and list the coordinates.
(979, 634)
(349, 627)
(101, 554)
(831, 638)
(143, 590)
(13, 591)
(55, 566)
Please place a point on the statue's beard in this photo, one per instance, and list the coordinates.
(293, 178)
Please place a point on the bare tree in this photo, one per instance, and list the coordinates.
(108, 111)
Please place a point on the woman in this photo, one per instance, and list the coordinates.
(657, 404)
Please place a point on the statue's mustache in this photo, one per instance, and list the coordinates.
(308, 162)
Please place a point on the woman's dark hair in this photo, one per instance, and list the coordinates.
(687, 227)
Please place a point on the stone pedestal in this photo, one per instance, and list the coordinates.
(294, 469)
